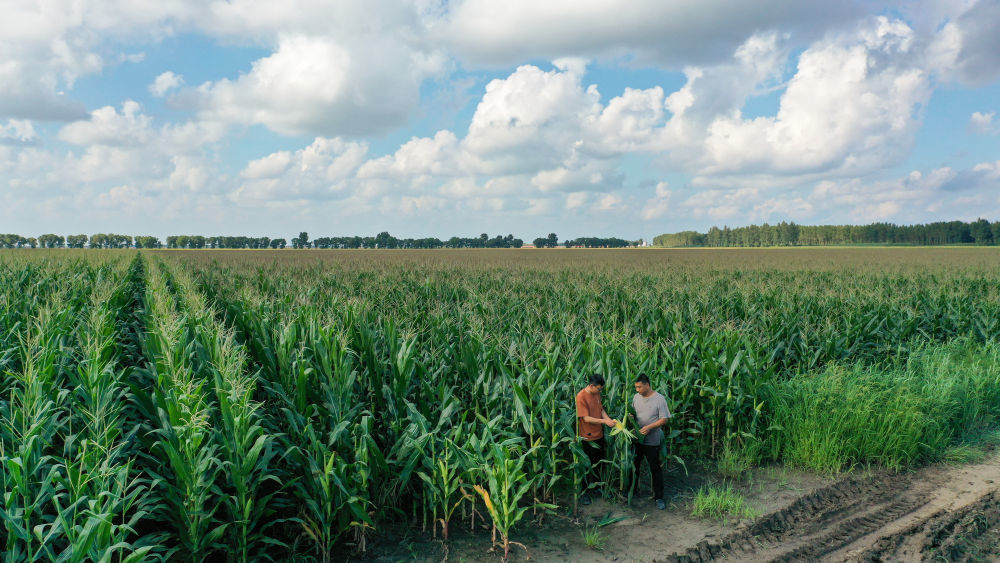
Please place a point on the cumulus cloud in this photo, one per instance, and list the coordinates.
(18, 132)
(319, 85)
(530, 118)
(852, 106)
(318, 171)
(982, 122)
(108, 126)
(164, 83)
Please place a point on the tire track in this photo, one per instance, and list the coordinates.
(819, 522)
(939, 512)
(969, 533)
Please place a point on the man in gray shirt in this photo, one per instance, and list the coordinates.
(651, 413)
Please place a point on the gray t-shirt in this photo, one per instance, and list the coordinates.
(647, 411)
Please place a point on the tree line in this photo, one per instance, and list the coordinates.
(381, 240)
(386, 240)
(979, 232)
(100, 240)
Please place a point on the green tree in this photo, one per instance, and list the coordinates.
(301, 241)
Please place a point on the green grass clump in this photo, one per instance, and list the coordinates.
(721, 502)
(594, 538)
(843, 416)
(738, 457)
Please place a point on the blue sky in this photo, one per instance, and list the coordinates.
(441, 118)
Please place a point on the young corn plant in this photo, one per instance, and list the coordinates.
(330, 506)
(507, 483)
(443, 490)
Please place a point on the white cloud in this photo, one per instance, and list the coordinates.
(109, 127)
(852, 107)
(982, 122)
(164, 83)
(531, 119)
(320, 85)
(417, 158)
(609, 202)
(967, 48)
(18, 132)
(658, 205)
(324, 169)
(269, 166)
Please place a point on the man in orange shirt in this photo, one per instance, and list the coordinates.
(590, 417)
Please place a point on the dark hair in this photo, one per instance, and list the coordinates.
(597, 379)
(643, 378)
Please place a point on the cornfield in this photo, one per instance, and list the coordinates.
(288, 405)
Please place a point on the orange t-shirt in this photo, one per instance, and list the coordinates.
(589, 404)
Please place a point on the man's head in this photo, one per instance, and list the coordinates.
(596, 383)
(642, 385)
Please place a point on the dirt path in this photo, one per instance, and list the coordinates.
(939, 512)
(933, 513)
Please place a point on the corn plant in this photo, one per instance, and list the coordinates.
(507, 483)
(444, 491)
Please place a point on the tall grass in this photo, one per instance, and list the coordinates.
(887, 415)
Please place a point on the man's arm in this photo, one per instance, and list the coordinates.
(652, 426)
(583, 414)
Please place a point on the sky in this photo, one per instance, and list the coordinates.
(457, 117)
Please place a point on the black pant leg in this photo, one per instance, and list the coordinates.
(595, 454)
(652, 455)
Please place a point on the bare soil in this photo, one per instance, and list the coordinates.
(939, 512)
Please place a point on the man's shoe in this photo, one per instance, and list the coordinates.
(585, 499)
(660, 504)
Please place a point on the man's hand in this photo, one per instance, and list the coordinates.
(609, 422)
(644, 430)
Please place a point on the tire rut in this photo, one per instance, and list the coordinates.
(966, 534)
(818, 523)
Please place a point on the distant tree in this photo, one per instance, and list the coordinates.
(147, 242)
(32, 242)
(981, 232)
(552, 240)
(540, 242)
(385, 240)
(76, 241)
(301, 241)
(278, 243)
(50, 241)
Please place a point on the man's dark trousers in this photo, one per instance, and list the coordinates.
(595, 453)
(652, 456)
